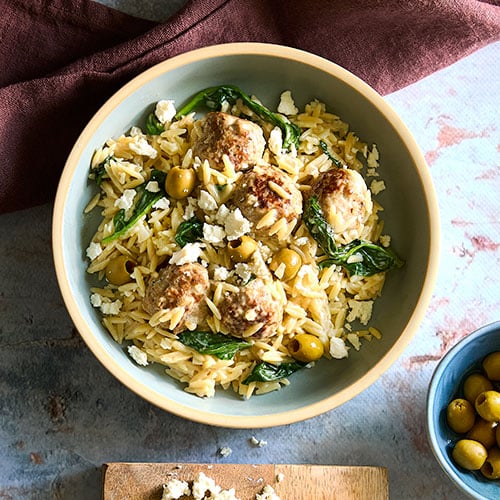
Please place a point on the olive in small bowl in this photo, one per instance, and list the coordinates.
(447, 384)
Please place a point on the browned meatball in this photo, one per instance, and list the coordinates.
(345, 200)
(179, 286)
(253, 305)
(241, 140)
(266, 188)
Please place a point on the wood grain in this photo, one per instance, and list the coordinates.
(144, 481)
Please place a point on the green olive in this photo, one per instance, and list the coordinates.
(497, 432)
(491, 467)
(475, 384)
(491, 366)
(460, 415)
(488, 405)
(119, 269)
(306, 347)
(180, 182)
(469, 454)
(291, 261)
(241, 249)
(484, 432)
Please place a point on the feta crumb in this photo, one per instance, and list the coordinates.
(152, 187)
(280, 477)
(165, 110)
(385, 240)
(258, 442)
(287, 104)
(105, 305)
(187, 254)
(140, 357)
(225, 451)
(206, 201)
(377, 186)
(142, 147)
(126, 200)
(202, 484)
(94, 250)
(213, 234)
(236, 225)
(221, 214)
(338, 349)
(162, 204)
(360, 309)
(275, 141)
(175, 489)
(373, 157)
(190, 208)
(354, 340)
(221, 273)
(243, 271)
(267, 493)
(135, 131)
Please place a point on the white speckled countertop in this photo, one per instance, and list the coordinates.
(62, 415)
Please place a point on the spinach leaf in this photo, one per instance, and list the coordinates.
(100, 170)
(372, 259)
(153, 125)
(214, 97)
(217, 344)
(145, 200)
(324, 147)
(189, 231)
(267, 372)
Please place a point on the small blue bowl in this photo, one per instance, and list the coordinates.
(446, 383)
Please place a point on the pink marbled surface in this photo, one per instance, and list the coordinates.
(62, 415)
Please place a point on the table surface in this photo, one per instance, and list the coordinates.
(62, 415)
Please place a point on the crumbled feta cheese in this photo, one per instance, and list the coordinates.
(385, 240)
(187, 254)
(354, 341)
(165, 110)
(338, 349)
(275, 141)
(94, 250)
(221, 273)
(140, 357)
(373, 156)
(142, 147)
(258, 442)
(202, 484)
(225, 451)
(206, 201)
(190, 208)
(360, 309)
(213, 234)
(152, 187)
(377, 186)
(236, 225)
(280, 477)
(287, 104)
(135, 131)
(105, 305)
(267, 493)
(126, 200)
(243, 271)
(175, 489)
(162, 204)
(221, 214)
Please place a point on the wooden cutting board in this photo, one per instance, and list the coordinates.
(144, 481)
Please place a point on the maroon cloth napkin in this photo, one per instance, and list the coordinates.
(61, 59)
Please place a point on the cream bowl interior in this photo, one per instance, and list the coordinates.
(411, 218)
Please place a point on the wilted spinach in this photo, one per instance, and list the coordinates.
(267, 372)
(189, 231)
(217, 344)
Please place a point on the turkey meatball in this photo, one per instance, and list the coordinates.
(179, 286)
(252, 312)
(345, 201)
(262, 190)
(223, 134)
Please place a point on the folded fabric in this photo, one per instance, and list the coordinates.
(61, 59)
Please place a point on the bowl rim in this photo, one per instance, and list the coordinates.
(431, 408)
(274, 419)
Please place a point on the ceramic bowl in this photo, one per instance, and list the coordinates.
(411, 217)
(463, 358)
